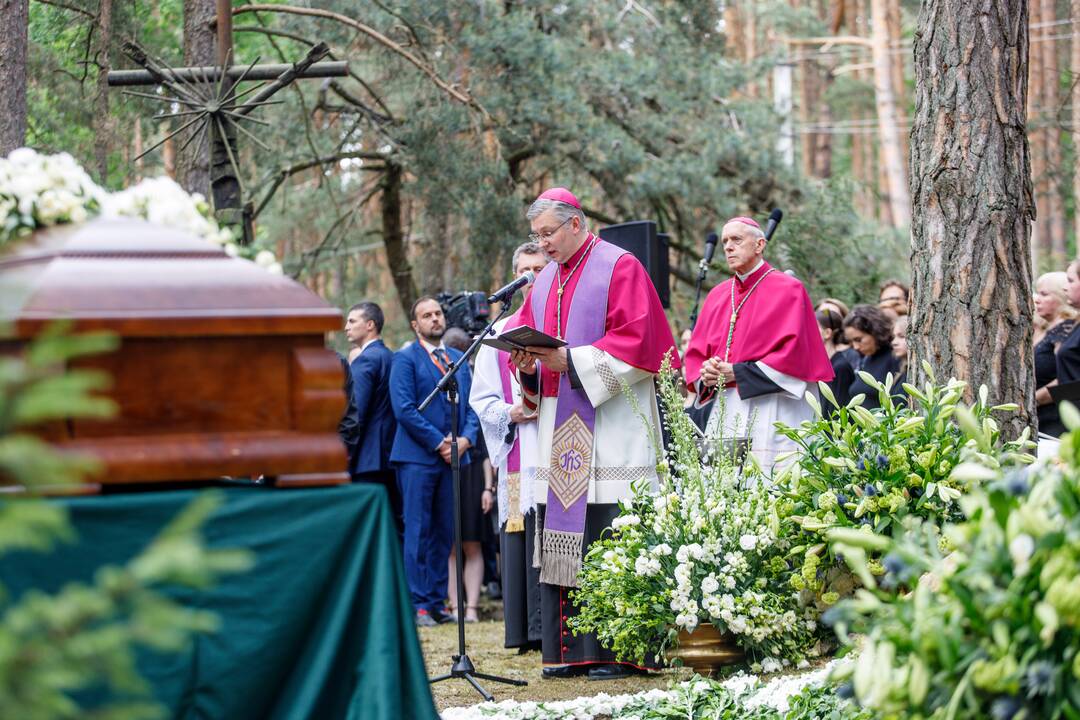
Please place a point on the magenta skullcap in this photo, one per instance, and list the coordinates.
(560, 194)
(745, 221)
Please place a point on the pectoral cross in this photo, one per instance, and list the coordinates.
(208, 101)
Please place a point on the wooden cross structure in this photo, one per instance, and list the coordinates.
(211, 104)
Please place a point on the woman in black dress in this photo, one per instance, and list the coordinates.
(1052, 305)
(831, 326)
(1068, 352)
(870, 332)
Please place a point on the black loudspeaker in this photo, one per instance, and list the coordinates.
(648, 246)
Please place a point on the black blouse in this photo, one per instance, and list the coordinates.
(843, 376)
(879, 365)
(1068, 357)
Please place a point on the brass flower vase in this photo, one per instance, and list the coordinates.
(706, 650)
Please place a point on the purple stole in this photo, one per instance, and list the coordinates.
(515, 522)
(571, 464)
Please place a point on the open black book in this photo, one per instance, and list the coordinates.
(522, 337)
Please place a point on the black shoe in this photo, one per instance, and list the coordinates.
(561, 672)
(440, 617)
(528, 647)
(612, 671)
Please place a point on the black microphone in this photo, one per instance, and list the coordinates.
(507, 291)
(710, 247)
(774, 219)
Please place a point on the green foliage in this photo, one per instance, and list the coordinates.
(84, 638)
(35, 389)
(859, 469)
(991, 629)
(709, 547)
(640, 110)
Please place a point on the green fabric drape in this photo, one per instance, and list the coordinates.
(321, 627)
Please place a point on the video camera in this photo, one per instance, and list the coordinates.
(467, 310)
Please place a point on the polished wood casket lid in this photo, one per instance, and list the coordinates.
(222, 368)
(129, 276)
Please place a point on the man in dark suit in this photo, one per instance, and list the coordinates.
(421, 453)
(375, 424)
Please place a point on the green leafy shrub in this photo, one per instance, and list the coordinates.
(858, 468)
(992, 626)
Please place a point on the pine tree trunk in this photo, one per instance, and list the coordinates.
(892, 158)
(1040, 231)
(101, 121)
(1074, 67)
(199, 43)
(971, 183)
(896, 64)
(14, 20)
(397, 256)
(1055, 206)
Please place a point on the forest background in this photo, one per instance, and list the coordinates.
(411, 175)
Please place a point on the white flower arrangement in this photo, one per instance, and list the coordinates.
(711, 547)
(748, 690)
(43, 190)
(38, 191)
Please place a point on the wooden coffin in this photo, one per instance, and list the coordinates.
(221, 369)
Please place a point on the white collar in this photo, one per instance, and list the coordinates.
(742, 276)
(429, 347)
(365, 345)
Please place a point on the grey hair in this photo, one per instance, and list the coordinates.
(525, 248)
(755, 232)
(563, 211)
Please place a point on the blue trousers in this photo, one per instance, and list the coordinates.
(427, 493)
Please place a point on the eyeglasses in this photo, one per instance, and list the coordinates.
(548, 234)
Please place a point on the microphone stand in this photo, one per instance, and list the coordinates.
(703, 269)
(462, 666)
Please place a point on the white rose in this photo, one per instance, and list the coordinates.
(748, 542)
(265, 258)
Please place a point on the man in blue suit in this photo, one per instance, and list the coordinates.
(421, 453)
(375, 424)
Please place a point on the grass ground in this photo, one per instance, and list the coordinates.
(484, 645)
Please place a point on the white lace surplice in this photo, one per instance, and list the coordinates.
(487, 401)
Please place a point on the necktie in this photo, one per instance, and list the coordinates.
(442, 360)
